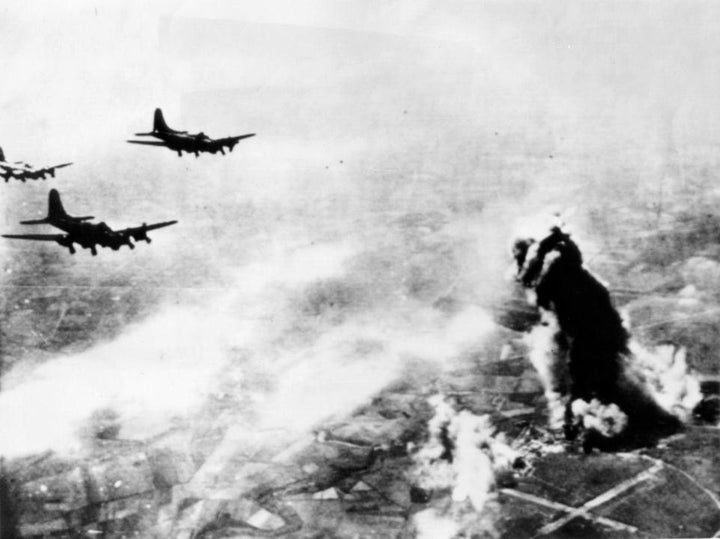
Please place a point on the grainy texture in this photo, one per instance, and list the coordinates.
(267, 360)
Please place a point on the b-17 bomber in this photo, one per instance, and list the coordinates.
(24, 171)
(182, 141)
(86, 235)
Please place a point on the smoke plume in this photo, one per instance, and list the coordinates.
(301, 329)
(463, 455)
(157, 371)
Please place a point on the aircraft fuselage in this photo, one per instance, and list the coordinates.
(182, 141)
(24, 171)
(89, 235)
(196, 144)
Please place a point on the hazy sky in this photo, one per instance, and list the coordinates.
(363, 110)
(403, 139)
(371, 83)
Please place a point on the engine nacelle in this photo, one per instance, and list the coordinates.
(65, 241)
(141, 234)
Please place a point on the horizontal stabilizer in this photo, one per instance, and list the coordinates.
(147, 142)
(36, 222)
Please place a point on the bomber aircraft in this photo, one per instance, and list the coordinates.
(182, 141)
(86, 235)
(23, 171)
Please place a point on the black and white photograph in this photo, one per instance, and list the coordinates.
(360, 269)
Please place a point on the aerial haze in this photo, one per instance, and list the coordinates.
(418, 137)
(363, 235)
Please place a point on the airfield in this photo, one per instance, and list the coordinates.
(224, 469)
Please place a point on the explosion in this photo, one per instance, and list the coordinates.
(598, 382)
(463, 455)
(605, 419)
(665, 374)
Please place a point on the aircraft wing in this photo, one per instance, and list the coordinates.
(148, 228)
(36, 237)
(147, 142)
(233, 140)
(55, 167)
(230, 142)
(140, 232)
(48, 170)
(13, 169)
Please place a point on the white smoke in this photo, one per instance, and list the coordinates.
(543, 219)
(606, 419)
(463, 454)
(434, 524)
(156, 371)
(161, 369)
(549, 363)
(337, 373)
(664, 373)
(167, 367)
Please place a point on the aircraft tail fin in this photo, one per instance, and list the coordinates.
(2, 155)
(56, 212)
(159, 122)
(55, 207)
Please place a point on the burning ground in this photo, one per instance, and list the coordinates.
(325, 346)
(333, 390)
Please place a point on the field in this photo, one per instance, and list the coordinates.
(268, 366)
